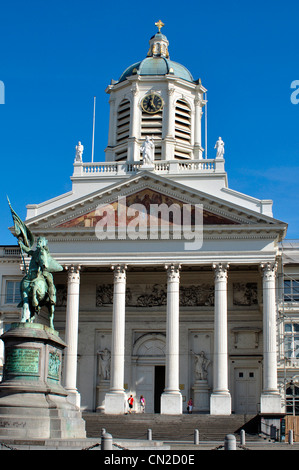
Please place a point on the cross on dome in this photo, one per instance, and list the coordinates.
(159, 25)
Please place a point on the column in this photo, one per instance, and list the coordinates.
(168, 126)
(71, 334)
(171, 398)
(111, 133)
(115, 399)
(270, 397)
(133, 145)
(220, 401)
(197, 128)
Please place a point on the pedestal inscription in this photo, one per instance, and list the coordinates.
(21, 361)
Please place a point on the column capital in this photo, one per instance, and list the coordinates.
(220, 271)
(119, 272)
(173, 271)
(269, 270)
(73, 272)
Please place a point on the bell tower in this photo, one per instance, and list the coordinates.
(159, 99)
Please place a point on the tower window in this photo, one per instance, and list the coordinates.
(182, 122)
(151, 125)
(123, 122)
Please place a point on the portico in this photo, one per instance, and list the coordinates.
(168, 334)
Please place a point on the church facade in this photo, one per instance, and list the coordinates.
(174, 285)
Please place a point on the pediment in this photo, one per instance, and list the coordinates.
(147, 189)
(147, 198)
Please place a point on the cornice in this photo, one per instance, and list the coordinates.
(127, 187)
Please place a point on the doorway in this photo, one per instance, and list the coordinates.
(159, 386)
(246, 390)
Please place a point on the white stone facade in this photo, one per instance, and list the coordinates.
(154, 316)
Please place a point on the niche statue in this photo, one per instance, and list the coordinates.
(37, 286)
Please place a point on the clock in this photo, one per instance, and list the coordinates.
(152, 103)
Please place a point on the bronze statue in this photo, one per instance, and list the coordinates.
(37, 286)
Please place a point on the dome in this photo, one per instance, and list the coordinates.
(157, 62)
(157, 66)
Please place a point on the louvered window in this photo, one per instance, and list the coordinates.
(182, 122)
(123, 122)
(151, 125)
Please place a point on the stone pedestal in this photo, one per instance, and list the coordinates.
(33, 403)
(102, 389)
(270, 403)
(201, 394)
(171, 403)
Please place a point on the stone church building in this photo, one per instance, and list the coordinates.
(175, 286)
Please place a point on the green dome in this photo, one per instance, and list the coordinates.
(157, 66)
(157, 62)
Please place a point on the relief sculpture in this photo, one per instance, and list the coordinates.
(245, 293)
(144, 295)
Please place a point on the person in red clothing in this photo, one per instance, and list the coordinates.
(131, 402)
(190, 406)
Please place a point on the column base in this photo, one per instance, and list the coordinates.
(74, 398)
(270, 403)
(220, 404)
(171, 403)
(115, 403)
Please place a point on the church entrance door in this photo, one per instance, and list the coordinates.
(159, 386)
(246, 390)
(148, 371)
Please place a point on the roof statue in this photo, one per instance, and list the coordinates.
(220, 148)
(79, 152)
(37, 286)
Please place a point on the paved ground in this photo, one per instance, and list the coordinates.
(154, 446)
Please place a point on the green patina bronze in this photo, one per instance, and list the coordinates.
(37, 286)
(22, 361)
(54, 365)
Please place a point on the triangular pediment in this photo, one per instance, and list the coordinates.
(147, 189)
(146, 198)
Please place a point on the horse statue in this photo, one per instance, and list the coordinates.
(37, 286)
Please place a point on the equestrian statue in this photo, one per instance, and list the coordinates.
(37, 286)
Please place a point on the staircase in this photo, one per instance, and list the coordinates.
(167, 428)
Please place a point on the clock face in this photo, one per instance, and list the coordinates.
(152, 103)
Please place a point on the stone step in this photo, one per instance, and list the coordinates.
(164, 427)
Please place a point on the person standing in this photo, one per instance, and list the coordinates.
(142, 404)
(190, 406)
(131, 403)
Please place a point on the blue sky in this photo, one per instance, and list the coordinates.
(56, 56)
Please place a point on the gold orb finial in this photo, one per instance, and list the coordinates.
(159, 25)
